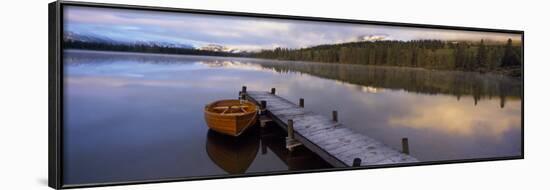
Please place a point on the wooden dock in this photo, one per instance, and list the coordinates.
(335, 143)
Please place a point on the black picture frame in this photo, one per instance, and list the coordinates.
(55, 90)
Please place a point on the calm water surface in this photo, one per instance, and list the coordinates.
(131, 116)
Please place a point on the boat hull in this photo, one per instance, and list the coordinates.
(230, 124)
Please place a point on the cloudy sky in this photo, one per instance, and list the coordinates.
(243, 33)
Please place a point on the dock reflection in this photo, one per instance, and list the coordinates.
(301, 158)
(235, 155)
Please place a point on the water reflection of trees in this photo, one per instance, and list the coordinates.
(78, 57)
(479, 86)
(456, 83)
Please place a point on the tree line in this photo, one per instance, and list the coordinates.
(145, 48)
(430, 54)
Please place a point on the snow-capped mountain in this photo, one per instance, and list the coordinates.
(165, 44)
(90, 38)
(72, 36)
(219, 48)
(374, 37)
(93, 38)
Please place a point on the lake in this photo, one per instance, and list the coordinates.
(134, 116)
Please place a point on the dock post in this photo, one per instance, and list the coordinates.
(272, 90)
(301, 102)
(264, 119)
(243, 96)
(356, 162)
(290, 128)
(335, 116)
(290, 141)
(263, 107)
(244, 89)
(405, 145)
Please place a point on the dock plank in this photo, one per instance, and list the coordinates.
(332, 141)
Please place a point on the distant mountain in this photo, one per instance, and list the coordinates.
(373, 37)
(219, 48)
(90, 38)
(165, 44)
(72, 36)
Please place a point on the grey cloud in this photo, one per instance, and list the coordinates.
(253, 33)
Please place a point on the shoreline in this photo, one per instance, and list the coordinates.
(514, 72)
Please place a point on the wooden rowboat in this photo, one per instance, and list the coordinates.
(230, 117)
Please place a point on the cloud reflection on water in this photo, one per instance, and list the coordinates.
(385, 107)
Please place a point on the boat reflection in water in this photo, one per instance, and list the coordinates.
(233, 154)
(236, 154)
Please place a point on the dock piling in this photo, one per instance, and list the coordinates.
(272, 90)
(356, 162)
(263, 107)
(264, 119)
(291, 129)
(405, 145)
(301, 102)
(291, 142)
(335, 116)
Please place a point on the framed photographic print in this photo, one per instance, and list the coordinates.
(148, 94)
